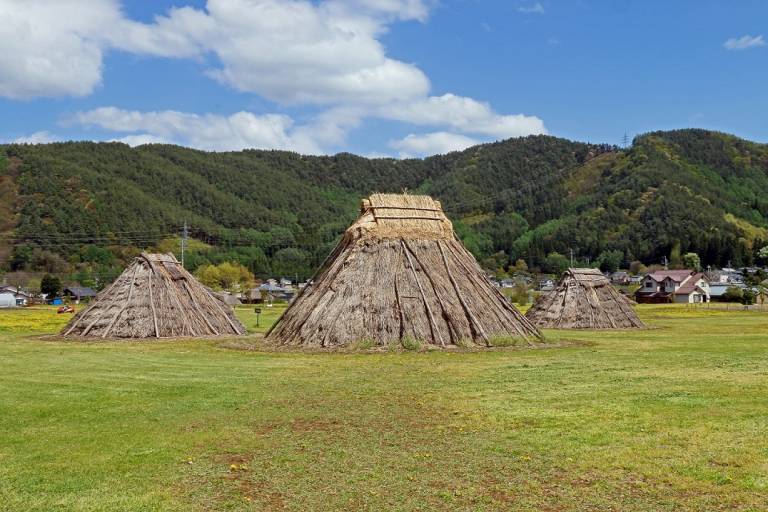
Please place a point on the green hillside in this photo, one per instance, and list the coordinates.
(89, 206)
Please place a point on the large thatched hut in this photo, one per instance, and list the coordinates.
(583, 299)
(400, 273)
(155, 297)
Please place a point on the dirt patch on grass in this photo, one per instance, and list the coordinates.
(315, 425)
(226, 481)
(92, 340)
(257, 346)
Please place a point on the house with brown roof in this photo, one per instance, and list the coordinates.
(681, 286)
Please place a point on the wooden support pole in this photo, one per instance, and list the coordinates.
(452, 330)
(152, 304)
(125, 305)
(399, 310)
(496, 298)
(182, 311)
(471, 317)
(432, 324)
(205, 316)
(95, 303)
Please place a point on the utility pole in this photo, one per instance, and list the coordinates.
(664, 259)
(571, 257)
(625, 140)
(184, 235)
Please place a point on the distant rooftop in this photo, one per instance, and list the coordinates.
(676, 275)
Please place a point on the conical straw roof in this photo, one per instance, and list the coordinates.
(583, 299)
(155, 297)
(400, 273)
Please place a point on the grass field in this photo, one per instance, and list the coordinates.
(673, 418)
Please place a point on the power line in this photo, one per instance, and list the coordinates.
(159, 229)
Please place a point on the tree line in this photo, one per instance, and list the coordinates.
(84, 209)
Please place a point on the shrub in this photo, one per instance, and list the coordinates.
(50, 286)
(748, 297)
(411, 343)
(519, 294)
(505, 341)
(465, 343)
(365, 344)
(733, 294)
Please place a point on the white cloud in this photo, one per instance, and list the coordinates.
(377, 154)
(210, 132)
(55, 48)
(536, 8)
(51, 48)
(141, 139)
(336, 59)
(436, 143)
(319, 134)
(400, 9)
(41, 137)
(744, 42)
(463, 114)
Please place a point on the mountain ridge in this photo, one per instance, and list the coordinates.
(281, 212)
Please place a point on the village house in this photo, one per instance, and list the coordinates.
(20, 297)
(78, 293)
(729, 276)
(229, 298)
(546, 285)
(619, 277)
(7, 300)
(681, 286)
(267, 293)
(718, 289)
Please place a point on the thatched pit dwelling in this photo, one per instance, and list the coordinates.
(400, 273)
(155, 297)
(583, 299)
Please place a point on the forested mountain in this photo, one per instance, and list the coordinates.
(89, 206)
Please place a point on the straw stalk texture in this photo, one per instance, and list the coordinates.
(155, 297)
(400, 273)
(583, 299)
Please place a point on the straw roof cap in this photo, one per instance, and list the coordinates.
(588, 276)
(402, 216)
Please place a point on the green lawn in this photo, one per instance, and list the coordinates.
(669, 418)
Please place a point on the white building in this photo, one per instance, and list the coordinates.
(21, 298)
(7, 300)
(681, 286)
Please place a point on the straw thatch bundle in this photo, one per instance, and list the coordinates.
(155, 297)
(399, 272)
(583, 299)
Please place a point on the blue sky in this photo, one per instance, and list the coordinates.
(378, 77)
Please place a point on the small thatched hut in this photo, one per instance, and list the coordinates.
(155, 297)
(583, 299)
(399, 272)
